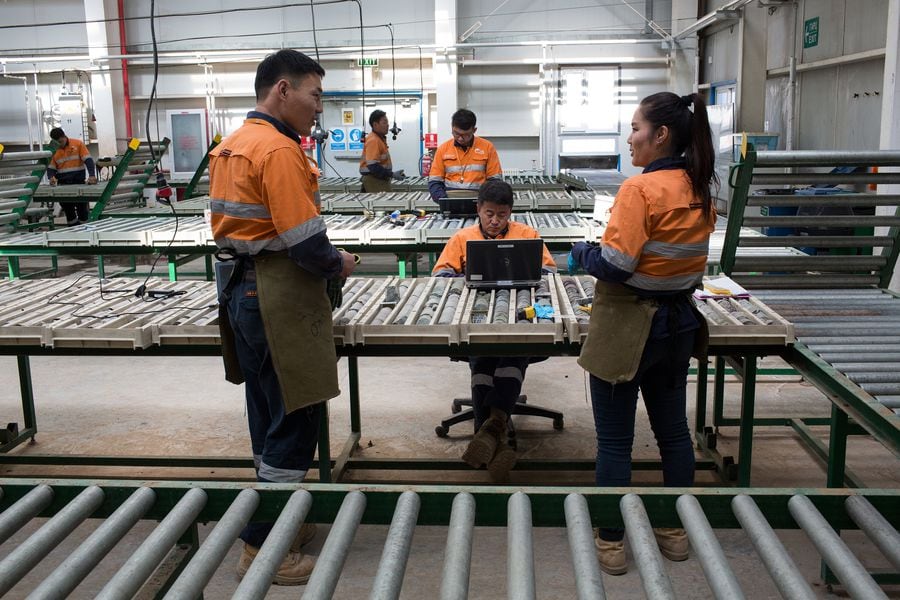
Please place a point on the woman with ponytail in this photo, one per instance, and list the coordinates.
(643, 327)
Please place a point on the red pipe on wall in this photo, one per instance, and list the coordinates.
(125, 91)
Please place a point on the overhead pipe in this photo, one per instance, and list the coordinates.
(126, 92)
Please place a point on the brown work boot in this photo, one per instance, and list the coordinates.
(610, 555)
(502, 462)
(673, 542)
(304, 536)
(295, 569)
(483, 446)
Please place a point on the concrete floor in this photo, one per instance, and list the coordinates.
(183, 406)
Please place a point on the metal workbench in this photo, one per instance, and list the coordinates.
(433, 317)
(847, 322)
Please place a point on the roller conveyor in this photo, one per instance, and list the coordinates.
(179, 508)
(857, 331)
(846, 322)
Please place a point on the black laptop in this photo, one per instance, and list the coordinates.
(503, 263)
(459, 203)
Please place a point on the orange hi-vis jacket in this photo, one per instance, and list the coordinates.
(262, 191)
(452, 260)
(316, 173)
(658, 232)
(375, 152)
(460, 169)
(71, 158)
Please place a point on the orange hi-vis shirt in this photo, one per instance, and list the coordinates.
(262, 191)
(659, 232)
(375, 152)
(71, 158)
(452, 260)
(462, 169)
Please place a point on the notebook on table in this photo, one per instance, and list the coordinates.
(503, 263)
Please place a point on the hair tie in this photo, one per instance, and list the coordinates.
(686, 101)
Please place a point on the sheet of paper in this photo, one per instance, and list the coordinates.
(721, 287)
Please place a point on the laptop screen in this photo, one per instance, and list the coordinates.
(503, 263)
(459, 203)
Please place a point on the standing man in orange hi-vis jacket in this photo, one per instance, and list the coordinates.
(275, 314)
(464, 162)
(376, 167)
(67, 168)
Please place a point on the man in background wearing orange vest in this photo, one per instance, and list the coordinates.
(67, 168)
(465, 162)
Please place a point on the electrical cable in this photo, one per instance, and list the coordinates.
(394, 130)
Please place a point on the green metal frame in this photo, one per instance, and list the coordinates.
(189, 190)
(29, 198)
(333, 469)
(121, 169)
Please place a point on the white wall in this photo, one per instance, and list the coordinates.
(505, 97)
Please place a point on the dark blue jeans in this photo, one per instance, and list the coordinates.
(283, 444)
(662, 380)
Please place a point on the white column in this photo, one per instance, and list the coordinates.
(751, 87)
(445, 68)
(102, 83)
(683, 71)
(890, 108)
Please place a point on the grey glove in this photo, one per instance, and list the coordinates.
(398, 175)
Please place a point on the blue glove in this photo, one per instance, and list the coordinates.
(572, 264)
(543, 311)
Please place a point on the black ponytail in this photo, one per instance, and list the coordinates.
(690, 135)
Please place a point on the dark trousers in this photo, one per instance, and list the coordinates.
(496, 383)
(283, 444)
(662, 380)
(75, 211)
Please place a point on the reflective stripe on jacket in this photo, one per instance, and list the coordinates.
(262, 191)
(460, 169)
(658, 232)
(70, 159)
(452, 260)
(375, 152)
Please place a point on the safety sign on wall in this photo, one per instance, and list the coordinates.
(338, 139)
(356, 138)
(811, 32)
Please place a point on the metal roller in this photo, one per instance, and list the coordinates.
(845, 565)
(458, 552)
(656, 582)
(324, 578)
(389, 578)
(520, 548)
(584, 554)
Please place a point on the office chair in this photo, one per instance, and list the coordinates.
(521, 408)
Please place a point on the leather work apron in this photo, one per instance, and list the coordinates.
(371, 184)
(296, 315)
(618, 330)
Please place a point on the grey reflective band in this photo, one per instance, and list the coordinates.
(303, 231)
(618, 259)
(240, 210)
(482, 379)
(674, 283)
(677, 250)
(277, 475)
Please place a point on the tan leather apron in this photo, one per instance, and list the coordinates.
(296, 315)
(371, 184)
(618, 330)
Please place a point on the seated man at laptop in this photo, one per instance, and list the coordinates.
(496, 381)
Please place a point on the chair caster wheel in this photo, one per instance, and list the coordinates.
(441, 431)
(558, 424)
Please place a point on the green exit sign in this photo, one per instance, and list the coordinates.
(366, 62)
(811, 32)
